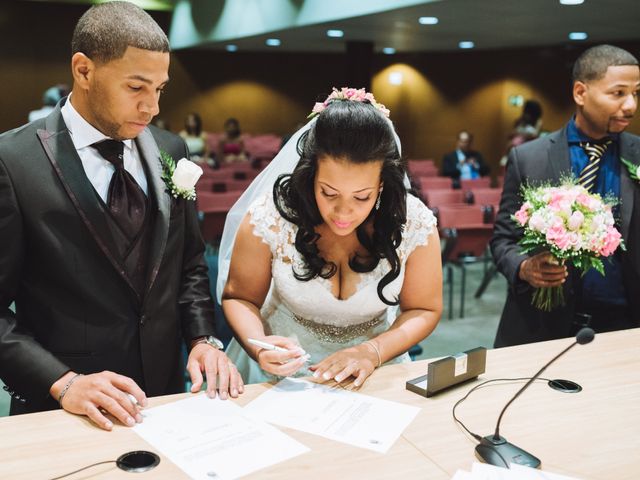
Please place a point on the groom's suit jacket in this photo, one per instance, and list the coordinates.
(75, 306)
(547, 160)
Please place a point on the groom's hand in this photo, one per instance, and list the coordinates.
(98, 394)
(217, 366)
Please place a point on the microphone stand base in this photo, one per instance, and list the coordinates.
(499, 452)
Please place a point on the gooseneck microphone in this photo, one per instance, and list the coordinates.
(494, 449)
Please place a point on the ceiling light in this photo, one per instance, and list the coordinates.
(571, 2)
(466, 44)
(428, 20)
(388, 50)
(231, 48)
(395, 78)
(578, 36)
(272, 42)
(335, 33)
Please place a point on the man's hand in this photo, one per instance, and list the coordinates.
(543, 270)
(214, 362)
(98, 394)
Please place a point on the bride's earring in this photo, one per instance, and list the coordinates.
(378, 200)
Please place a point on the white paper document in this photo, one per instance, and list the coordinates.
(482, 471)
(334, 413)
(213, 439)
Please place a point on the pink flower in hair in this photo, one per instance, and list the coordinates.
(349, 94)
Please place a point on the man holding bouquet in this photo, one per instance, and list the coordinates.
(594, 150)
(100, 249)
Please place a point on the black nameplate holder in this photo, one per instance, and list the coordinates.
(449, 372)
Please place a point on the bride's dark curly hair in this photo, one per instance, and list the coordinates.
(359, 133)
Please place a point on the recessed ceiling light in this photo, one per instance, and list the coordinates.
(395, 78)
(428, 20)
(466, 44)
(388, 50)
(571, 2)
(231, 48)
(578, 36)
(335, 33)
(272, 42)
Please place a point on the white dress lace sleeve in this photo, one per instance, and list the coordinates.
(269, 225)
(420, 224)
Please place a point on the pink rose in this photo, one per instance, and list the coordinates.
(558, 236)
(611, 242)
(522, 215)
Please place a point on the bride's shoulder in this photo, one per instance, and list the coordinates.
(420, 224)
(267, 221)
(418, 214)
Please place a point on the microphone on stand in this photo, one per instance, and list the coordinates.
(494, 449)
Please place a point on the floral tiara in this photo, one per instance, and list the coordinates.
(352, 94)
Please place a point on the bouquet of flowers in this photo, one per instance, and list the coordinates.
(574, 225)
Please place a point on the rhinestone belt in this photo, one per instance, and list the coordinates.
(336, 334)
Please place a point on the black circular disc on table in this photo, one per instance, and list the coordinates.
(138, 461)
(564, 386)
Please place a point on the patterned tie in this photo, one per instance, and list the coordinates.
(594, 151)
(126, 200)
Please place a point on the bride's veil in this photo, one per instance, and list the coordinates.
(284, 162)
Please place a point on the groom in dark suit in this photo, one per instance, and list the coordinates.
(606, 81)
(105, 266)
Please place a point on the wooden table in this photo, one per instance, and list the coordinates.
(593, 434)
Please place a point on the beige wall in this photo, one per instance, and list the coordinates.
(441, 93)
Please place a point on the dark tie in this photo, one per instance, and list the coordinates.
(126, 200)
(594, 151)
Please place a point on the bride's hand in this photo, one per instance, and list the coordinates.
(281, 363)
(359, 361)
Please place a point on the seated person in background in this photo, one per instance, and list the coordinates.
(231, 146)
(50, 99)
(195, 138)
(330, 255)
(464, 163)
(527, 127)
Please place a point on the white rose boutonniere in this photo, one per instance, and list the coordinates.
(632, 168)
(180, 178)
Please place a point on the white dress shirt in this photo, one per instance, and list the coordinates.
(98, 170)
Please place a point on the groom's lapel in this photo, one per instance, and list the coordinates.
(630, 151)
(150, 154)
(62, 154)
(558, 163)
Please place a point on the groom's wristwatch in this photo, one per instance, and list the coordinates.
(209, 340)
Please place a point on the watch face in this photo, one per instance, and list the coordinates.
(214, 342)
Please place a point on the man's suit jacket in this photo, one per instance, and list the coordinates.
(450, 164)
(75, 306)
(535, 162)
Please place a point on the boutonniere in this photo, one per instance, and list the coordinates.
(180, 178)
(632, 168)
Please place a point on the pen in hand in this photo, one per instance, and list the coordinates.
(269, 346)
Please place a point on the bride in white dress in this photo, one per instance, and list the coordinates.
(336, 263)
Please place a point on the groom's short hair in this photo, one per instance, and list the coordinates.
(105, 31)
(593, 63)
